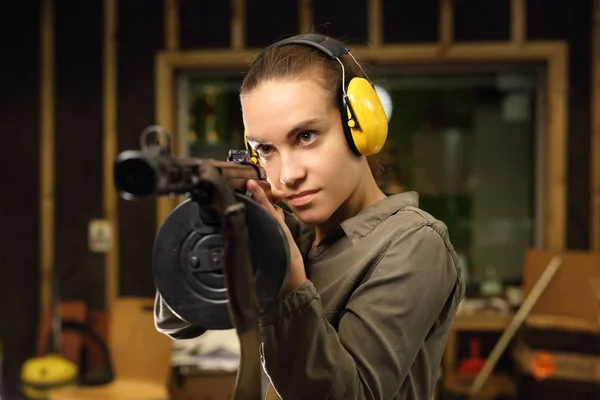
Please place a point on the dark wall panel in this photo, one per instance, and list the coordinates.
(343, 19)
(408, 21)
(204, 24)
(79, 148)
(579, 20)
(547, 19)
(269, 20)
(559, 20)
(476, 20)
(19, 202)
(137, 219)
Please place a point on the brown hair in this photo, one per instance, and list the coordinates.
(295, 61)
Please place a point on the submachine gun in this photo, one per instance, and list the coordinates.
(219, 259)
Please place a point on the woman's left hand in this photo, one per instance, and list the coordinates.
(297, 276)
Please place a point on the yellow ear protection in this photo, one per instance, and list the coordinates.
(363, 115)
(254, 157)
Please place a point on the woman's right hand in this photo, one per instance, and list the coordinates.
(276, 195)
(297, 275)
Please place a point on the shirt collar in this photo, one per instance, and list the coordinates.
(363, 223)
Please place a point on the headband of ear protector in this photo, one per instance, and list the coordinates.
(365, 124)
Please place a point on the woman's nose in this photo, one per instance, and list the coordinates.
(292, 170)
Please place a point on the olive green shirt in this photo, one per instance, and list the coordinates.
(371, 321)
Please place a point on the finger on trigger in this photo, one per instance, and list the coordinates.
(258, 194)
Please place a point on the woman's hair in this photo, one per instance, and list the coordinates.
(297, 61)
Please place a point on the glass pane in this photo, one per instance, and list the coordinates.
(465, 142)
(214, 121)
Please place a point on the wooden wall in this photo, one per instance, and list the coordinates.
(141, 35)
(19, 200)
(79, 124)
(78, 144)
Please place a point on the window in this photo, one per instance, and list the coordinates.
(465, 141)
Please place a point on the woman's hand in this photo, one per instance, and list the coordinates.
(297, 275)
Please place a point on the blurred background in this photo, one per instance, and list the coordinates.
(494, 121)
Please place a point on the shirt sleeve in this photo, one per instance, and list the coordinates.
(166, 321)
(384, 325)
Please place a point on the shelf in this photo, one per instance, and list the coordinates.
(497, 384)
(481, 322)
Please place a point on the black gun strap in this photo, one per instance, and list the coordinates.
(243, 301)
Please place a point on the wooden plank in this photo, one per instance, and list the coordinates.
(518, 21)
(595, 139)
(386, 54)
(446, 18)
(562, 323)
(165, 100)
(165, 205)
(503, 52)
(110, 147)
(556, 151)
(171, 24)
(238, 25)
(570, 294)
(305, 16)
(498, 385)
(481, 322)
(47, 153)
(375, 22)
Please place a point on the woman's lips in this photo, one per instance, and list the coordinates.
(302, 198)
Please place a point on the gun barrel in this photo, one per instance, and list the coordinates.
(148, 173)
(153, 172)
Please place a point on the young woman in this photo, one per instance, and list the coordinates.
(374, 282)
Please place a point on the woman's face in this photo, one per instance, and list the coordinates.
(297, 131)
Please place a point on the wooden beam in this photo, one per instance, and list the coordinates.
(305, 16)
(518, 21)
(595, 139)
(109, 96)
(47, 153)
(446, 21)
(375, 22)
(499, 52)
(386, 54)
(557, 85)
(164, 205)
(238, 25)
(164, 108)
(171, 24)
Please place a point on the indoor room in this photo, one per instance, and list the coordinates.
(244, 199)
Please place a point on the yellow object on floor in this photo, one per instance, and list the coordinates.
(42, 374)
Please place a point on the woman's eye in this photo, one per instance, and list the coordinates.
(306, 137)
(263, 149)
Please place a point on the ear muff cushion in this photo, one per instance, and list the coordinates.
(369, 114)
